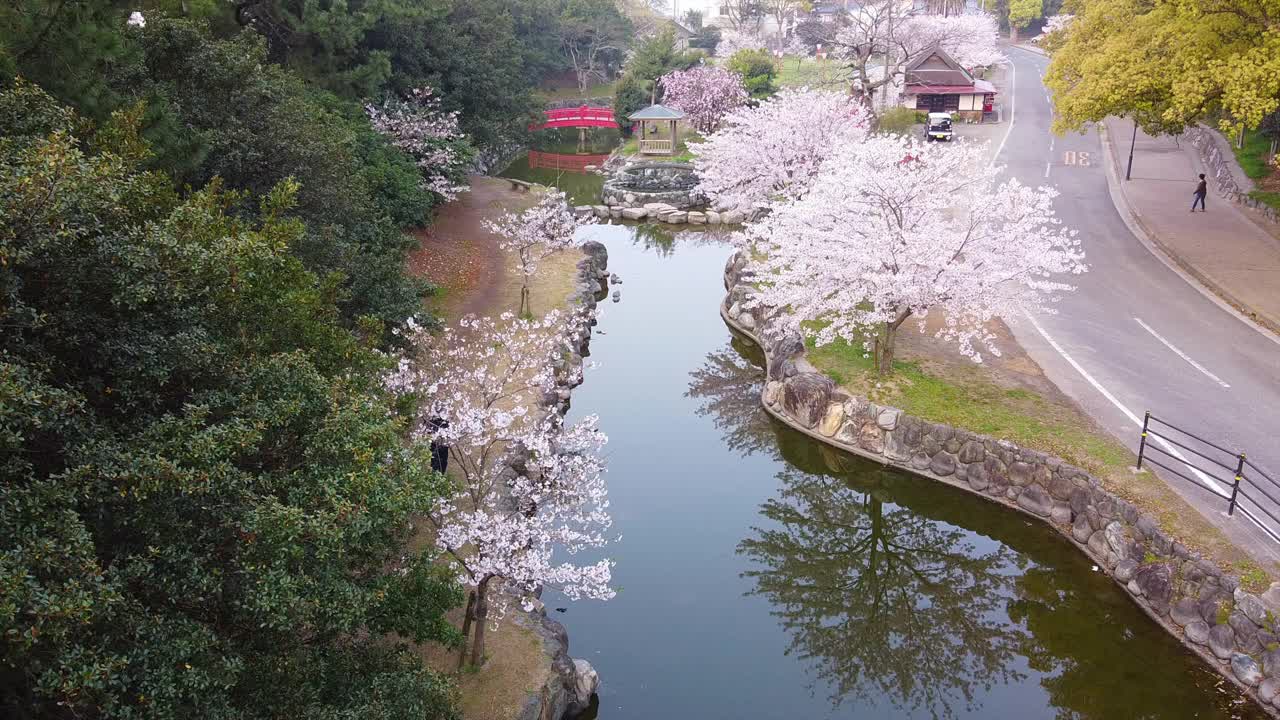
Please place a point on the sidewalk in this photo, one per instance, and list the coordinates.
(1221, 248)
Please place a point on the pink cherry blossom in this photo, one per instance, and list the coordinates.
(773, 151)
(734, 41)
(526, 484)
(536, 234)
(429, 135)
(892, 229)
(704, 93)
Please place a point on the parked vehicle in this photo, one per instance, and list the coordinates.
(938, 127)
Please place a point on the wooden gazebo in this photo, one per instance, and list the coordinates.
(654, 116)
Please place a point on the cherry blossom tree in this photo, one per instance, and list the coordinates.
(429, 135)
(893, 229)
(1053, 25)
(704, 93)
(883, 36)
(527, 484)
(734, 41)
(536, 234)
(774, 151)
(971, 39)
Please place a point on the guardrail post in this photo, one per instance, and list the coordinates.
(1235, 487)
(1142, 445)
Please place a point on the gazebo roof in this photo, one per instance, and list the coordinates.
(657, 112)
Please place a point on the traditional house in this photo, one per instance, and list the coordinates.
(934, 82)
(681, 35)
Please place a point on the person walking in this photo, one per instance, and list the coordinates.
(1202, 189)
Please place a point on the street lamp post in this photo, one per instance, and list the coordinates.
(1133, 141)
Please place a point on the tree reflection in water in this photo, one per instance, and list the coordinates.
(886, 605)
(729, 384)
(898, 591)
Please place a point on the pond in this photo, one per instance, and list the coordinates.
(557, 158)
(763, 575)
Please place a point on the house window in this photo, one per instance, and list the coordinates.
(938, 103)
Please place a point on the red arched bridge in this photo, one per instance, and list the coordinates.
(579, 117)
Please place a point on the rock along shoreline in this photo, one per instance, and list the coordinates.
(1237, 633)
(570, 681)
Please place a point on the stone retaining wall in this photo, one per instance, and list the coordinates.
(571, 682)
(1234, 631)
(1218, 167)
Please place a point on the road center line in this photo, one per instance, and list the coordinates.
(1047, 165)
(1181, 354)
(1173, 451)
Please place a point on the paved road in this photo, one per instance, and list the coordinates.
(1136, 336)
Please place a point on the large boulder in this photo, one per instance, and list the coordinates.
(1124, 570)
(832, 420)
(806, 397)
(587, 681)
(1080, 529)
(1246, 669)
(1035, 499)
(634, 213)
(1197, 632)
(1184, 612)
(943, 464)
(1252, 606)
(1156, 583)
(786, 348)
(1222, 641)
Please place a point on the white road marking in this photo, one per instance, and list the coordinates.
(1051, 139)
(1013, 99)
(1047, 165)
(1181, 354)
(1173, 451)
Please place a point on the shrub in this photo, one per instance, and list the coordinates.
(757, 70)
(899, 120)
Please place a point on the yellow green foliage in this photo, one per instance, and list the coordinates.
(1168, 63)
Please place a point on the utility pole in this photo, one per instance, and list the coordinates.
(1134, 141)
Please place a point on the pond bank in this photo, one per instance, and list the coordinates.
(1231, 630)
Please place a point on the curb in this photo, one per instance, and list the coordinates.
(1206, 286)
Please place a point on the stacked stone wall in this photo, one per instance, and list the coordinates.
(1236, 632)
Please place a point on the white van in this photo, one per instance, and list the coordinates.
(938, 127)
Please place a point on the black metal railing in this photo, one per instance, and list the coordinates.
(1248, 488)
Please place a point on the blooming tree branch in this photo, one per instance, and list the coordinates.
(536, 234)
(734, 41)
(526, 483)
(428, 134)
(774, 151)
(704, 93)
(893, 229)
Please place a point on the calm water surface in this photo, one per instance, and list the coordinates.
(762, 575)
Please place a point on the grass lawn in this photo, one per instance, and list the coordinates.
(966, 399)
(815, 73)
(970, 396)
(1253, 160)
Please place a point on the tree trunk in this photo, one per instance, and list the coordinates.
(886, 341)
(482, 616)
(884, 346)
(466, 628)
(1013, 34)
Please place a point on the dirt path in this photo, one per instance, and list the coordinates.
(462, 258)
(475, 275)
